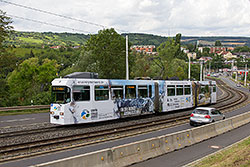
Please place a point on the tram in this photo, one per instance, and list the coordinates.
(84, 100)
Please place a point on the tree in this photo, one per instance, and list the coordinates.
(191, 47)
(107, 51)
(7, 61)
(179, 54)
(218, 43)
(31, 79)
(5, 28)
(143, 66)
(167, 51)
(195, 71)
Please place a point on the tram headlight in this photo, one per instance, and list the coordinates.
(52, 112)
(61, 113)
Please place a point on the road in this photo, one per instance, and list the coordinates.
(25, 119)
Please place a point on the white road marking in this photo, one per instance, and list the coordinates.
(18, 120)
(216, 147)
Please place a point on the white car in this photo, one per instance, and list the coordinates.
(204, 115)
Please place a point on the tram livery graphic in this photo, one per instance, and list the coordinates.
(83, 100)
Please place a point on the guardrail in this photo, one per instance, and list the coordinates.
(128, 154)
(15, 108)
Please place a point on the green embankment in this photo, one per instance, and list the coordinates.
(236, 156)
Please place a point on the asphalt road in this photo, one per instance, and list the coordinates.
(25, 119)
(176, 158)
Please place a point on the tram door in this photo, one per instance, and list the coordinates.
(157, 98)
(80, 107)
(102, 105)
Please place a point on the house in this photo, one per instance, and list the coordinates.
(217, 49)
(229, 55)
(191, 55)
(147, 49)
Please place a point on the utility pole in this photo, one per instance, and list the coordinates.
(201, 72)
(189, 69)
(127, 70)
(236, 75)
(245, 81)
(204, 70)
(209, 68)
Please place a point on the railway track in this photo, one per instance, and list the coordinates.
(61, 138)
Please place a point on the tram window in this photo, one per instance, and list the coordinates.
(142, 91)
(171, 90)
(214, 88)
(101, 93)
(117, 92)
(187, 90)
(203, 90)
(179, 90)
(60, 94)
(81, 93)
(130, 92)
(150, 90)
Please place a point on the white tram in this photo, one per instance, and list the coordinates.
(81, 100)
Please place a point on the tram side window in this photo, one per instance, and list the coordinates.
(203, 90)
(117, 92)
(179, 90)
(171, 90)
(130, 92)
(142, 91)
(187, 90)
(101, 93)
(81, 93)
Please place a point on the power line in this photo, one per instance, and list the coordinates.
(55, 14)
(58, 15)
(46, 23)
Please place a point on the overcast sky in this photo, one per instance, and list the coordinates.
(158, 17)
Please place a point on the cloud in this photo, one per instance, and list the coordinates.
(189, 17)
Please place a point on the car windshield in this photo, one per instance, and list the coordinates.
(201, 111)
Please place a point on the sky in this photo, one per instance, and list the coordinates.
(158, 17)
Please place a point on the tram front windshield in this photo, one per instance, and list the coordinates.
(60, 94)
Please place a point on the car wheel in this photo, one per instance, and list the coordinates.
(223, 118)
(191, 123)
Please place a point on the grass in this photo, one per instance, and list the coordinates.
(31, 40)
(21, 52)
(236, 156)
(5, 113)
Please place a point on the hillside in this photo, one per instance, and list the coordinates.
(37, 39)
(226, 41)
(24, 39)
